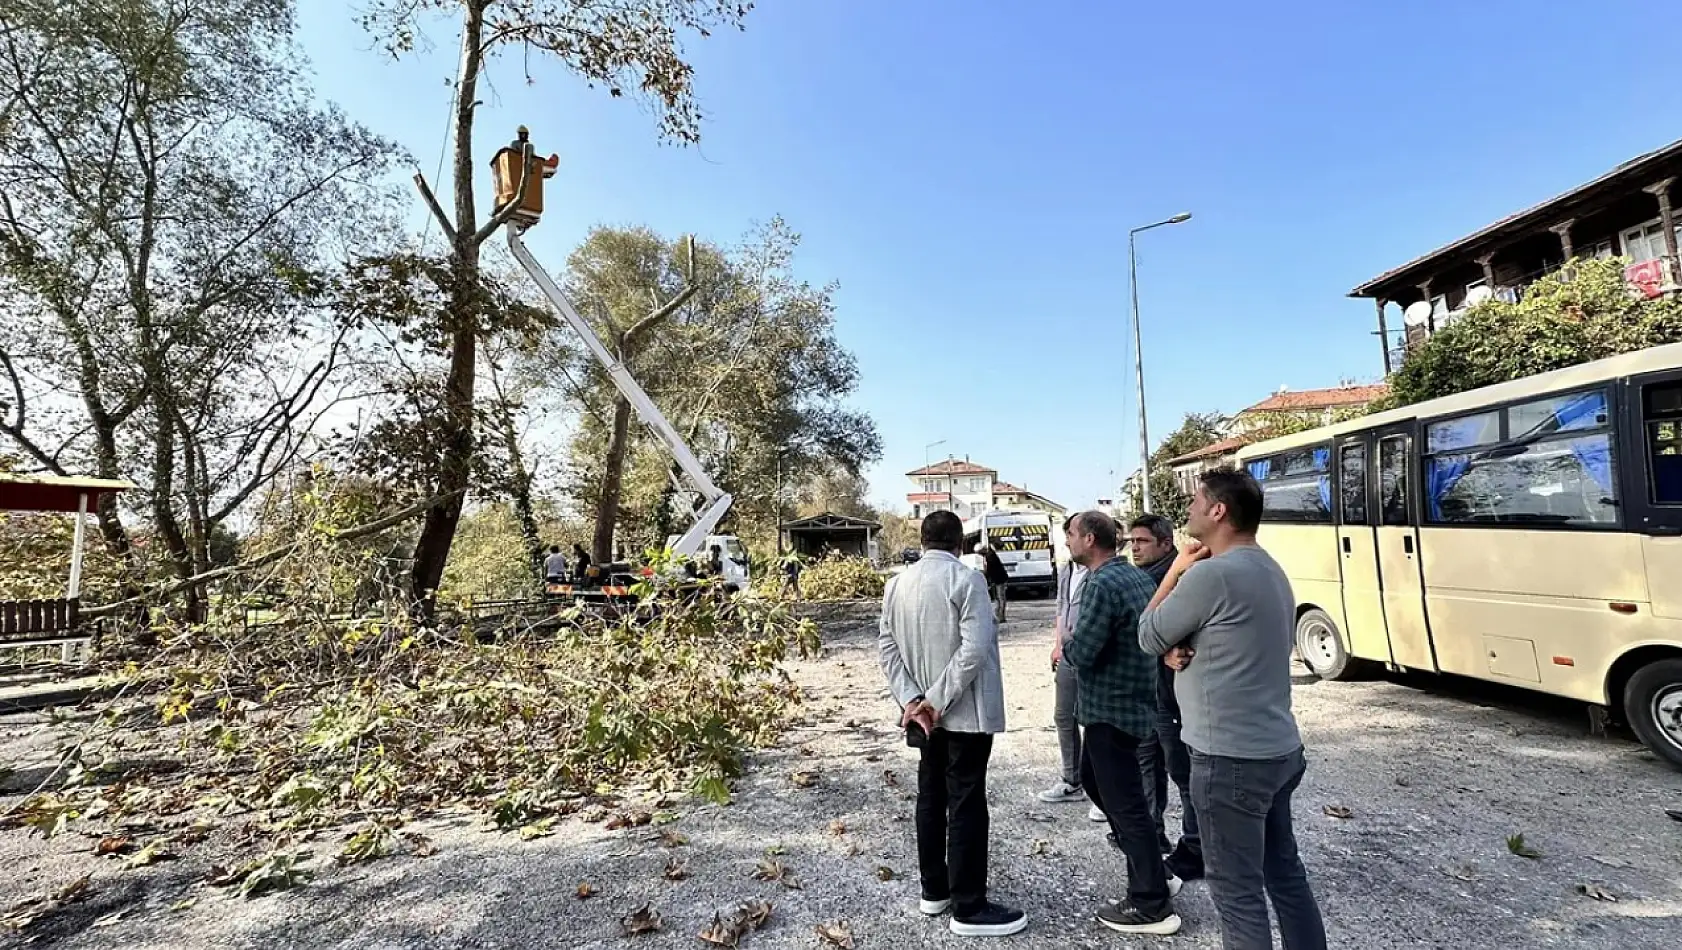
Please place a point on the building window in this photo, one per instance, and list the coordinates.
(977, 485)
(931, 484)
(1599, 250)
(1645, 242)
(1548, 462)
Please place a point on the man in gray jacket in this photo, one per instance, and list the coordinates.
(940, 652)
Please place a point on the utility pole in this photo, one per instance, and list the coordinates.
(1139, 357)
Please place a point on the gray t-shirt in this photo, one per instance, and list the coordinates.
(1238, 613)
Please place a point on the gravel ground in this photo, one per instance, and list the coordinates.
(1436, 777)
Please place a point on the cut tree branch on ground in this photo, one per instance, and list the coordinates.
(269, 557)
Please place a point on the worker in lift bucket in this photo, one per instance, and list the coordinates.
(555, 565)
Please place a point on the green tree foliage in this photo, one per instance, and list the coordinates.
(1586, 312)
(172, 206)
(1196, 430)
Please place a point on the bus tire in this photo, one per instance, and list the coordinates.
(1653, 708)
(1320, 645)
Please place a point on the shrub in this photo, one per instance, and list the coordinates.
(841, 578)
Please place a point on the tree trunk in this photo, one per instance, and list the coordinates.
(432, 551)
(613, 477)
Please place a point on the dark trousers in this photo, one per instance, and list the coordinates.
(1110, 772)
(952, 818)
(1250, 850)
(1177, 763)
(1153, 775)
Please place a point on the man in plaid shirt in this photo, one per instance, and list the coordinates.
(1117, 706)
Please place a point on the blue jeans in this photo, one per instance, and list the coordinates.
(1250, 850)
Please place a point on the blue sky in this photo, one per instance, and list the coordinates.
(968, 171)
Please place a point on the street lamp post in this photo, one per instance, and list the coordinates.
(1139, 357)
(926, 449)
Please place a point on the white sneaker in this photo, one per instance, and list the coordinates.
(1096, 814)
(1062, 792)
(934, 908)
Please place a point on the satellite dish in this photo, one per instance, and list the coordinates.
(1417, 314)
(1478, 294)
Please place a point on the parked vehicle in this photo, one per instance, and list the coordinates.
(1527, 533)
(1025, 543)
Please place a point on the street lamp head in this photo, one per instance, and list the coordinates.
(1180, 218)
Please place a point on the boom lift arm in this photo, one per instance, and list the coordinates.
(507, 172)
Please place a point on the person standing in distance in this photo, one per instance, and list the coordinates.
(940, 653)
(1224, 617)
(1117, 705)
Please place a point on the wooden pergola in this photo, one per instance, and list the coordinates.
(47, 622)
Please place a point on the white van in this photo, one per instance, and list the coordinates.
(1027, 544)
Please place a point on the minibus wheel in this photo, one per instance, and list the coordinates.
(1321, 646)
(1653, 708)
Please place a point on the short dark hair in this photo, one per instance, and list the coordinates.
(942, 531)
(1160, 528)
(1069, 521)
(1101, 526)
(1239, 492)
(554, 549)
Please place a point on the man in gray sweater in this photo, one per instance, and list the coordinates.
(1224, 617)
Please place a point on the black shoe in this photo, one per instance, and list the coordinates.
(1127, 919)
(1184, 865)
(991, 920)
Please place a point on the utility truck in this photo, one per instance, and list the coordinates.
(517, 175)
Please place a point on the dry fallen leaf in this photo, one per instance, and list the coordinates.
(885, 873)
(640, 921)
(73, 891)
(541, 828)
(1597, 892)
(755, 913)
(422, 845)
(770, 869)
(116, 844)
(1463, 872)
(1041, 817)
(676, 869)
(722, 933)
(873, 757)
(182, 905)
(853, 849)
(1339, 811)
(836, 934)
(837, 827)
(804, 779)
(586, 890)
(1040, 847)
(149, 855)
(889, 777)
(673, 839)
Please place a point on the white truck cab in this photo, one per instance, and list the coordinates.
(734, 556)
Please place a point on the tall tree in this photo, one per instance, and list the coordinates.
(617, 43)
(171, 204)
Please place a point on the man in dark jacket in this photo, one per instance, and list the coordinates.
(1164, 756)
